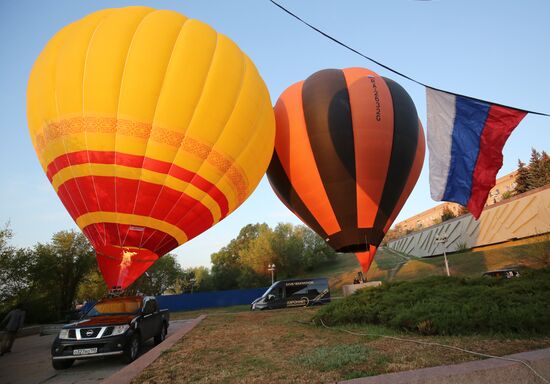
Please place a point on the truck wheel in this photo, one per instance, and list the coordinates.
(62, 364)
(131, 351)
(162, 334)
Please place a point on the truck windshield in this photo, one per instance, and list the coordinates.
(115, 307)
(276, 290)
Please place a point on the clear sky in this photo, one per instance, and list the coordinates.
(495, 50)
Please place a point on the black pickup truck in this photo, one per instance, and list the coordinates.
(113, 326)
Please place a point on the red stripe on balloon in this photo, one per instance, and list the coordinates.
(172, 206)
(133, 161)
(157, 241)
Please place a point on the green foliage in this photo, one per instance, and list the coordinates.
(92, 287)
(447, 214)
(15, 270)
(451, 305)
(315, 251)
(227, 264)
(45, 279)
(461, 246)
(162, 277)
(334, 357)
(243, 263)
(202, 280)
(535, 175)
(508, 194)
(258, 252)
(61, 265)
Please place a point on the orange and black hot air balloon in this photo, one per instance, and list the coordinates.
(348, 151)
(151, 126)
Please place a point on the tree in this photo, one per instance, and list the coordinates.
(60, 266)
(243, 263)
(287, 243)
(227, 264)
(315, 250)
(161, 277)
(259, 252)
(522, 178)
(539, 168)
(535, 175)
(196, 279)
(15, 271)
(248, 278)
(92, 287)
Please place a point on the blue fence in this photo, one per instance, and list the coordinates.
(199, 300)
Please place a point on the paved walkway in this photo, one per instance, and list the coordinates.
(486, 371)
(30, 362)
(127, 374)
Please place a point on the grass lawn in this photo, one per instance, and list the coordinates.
(235, 345)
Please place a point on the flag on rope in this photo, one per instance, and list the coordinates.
(465, 141)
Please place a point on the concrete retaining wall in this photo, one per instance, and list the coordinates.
(515, 218)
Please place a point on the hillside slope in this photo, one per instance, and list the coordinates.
(390, 265)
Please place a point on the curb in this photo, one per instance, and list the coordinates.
(129, 372)
(474, 372)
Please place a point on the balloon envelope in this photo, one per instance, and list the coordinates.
(151, 127)
(348, 151)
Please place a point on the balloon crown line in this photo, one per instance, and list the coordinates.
(389, 68)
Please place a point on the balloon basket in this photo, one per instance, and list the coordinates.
(115, 292)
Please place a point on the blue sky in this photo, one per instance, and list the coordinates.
(493, 50)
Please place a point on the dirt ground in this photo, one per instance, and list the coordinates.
(284, 346)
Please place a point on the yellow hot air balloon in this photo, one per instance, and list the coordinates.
(151, 127)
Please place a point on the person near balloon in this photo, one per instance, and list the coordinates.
(12, 322)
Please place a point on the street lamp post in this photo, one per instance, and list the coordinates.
(442, 239)
(192, 281)
(271, 268)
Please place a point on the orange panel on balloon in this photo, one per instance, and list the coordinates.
(348, 151)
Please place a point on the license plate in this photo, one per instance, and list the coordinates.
(84, 351)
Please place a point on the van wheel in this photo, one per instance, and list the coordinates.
(306, 301)
(131, 351)
(62, 364)
(162, 334)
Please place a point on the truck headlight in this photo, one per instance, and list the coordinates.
(64, 334)
(120, 329)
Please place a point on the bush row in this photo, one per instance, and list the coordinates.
(451, 305)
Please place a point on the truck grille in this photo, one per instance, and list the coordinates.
(89, 333)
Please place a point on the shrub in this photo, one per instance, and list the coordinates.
(451, 305)
(447, 214)
(461, 246)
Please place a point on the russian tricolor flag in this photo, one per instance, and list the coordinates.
(465, 140)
